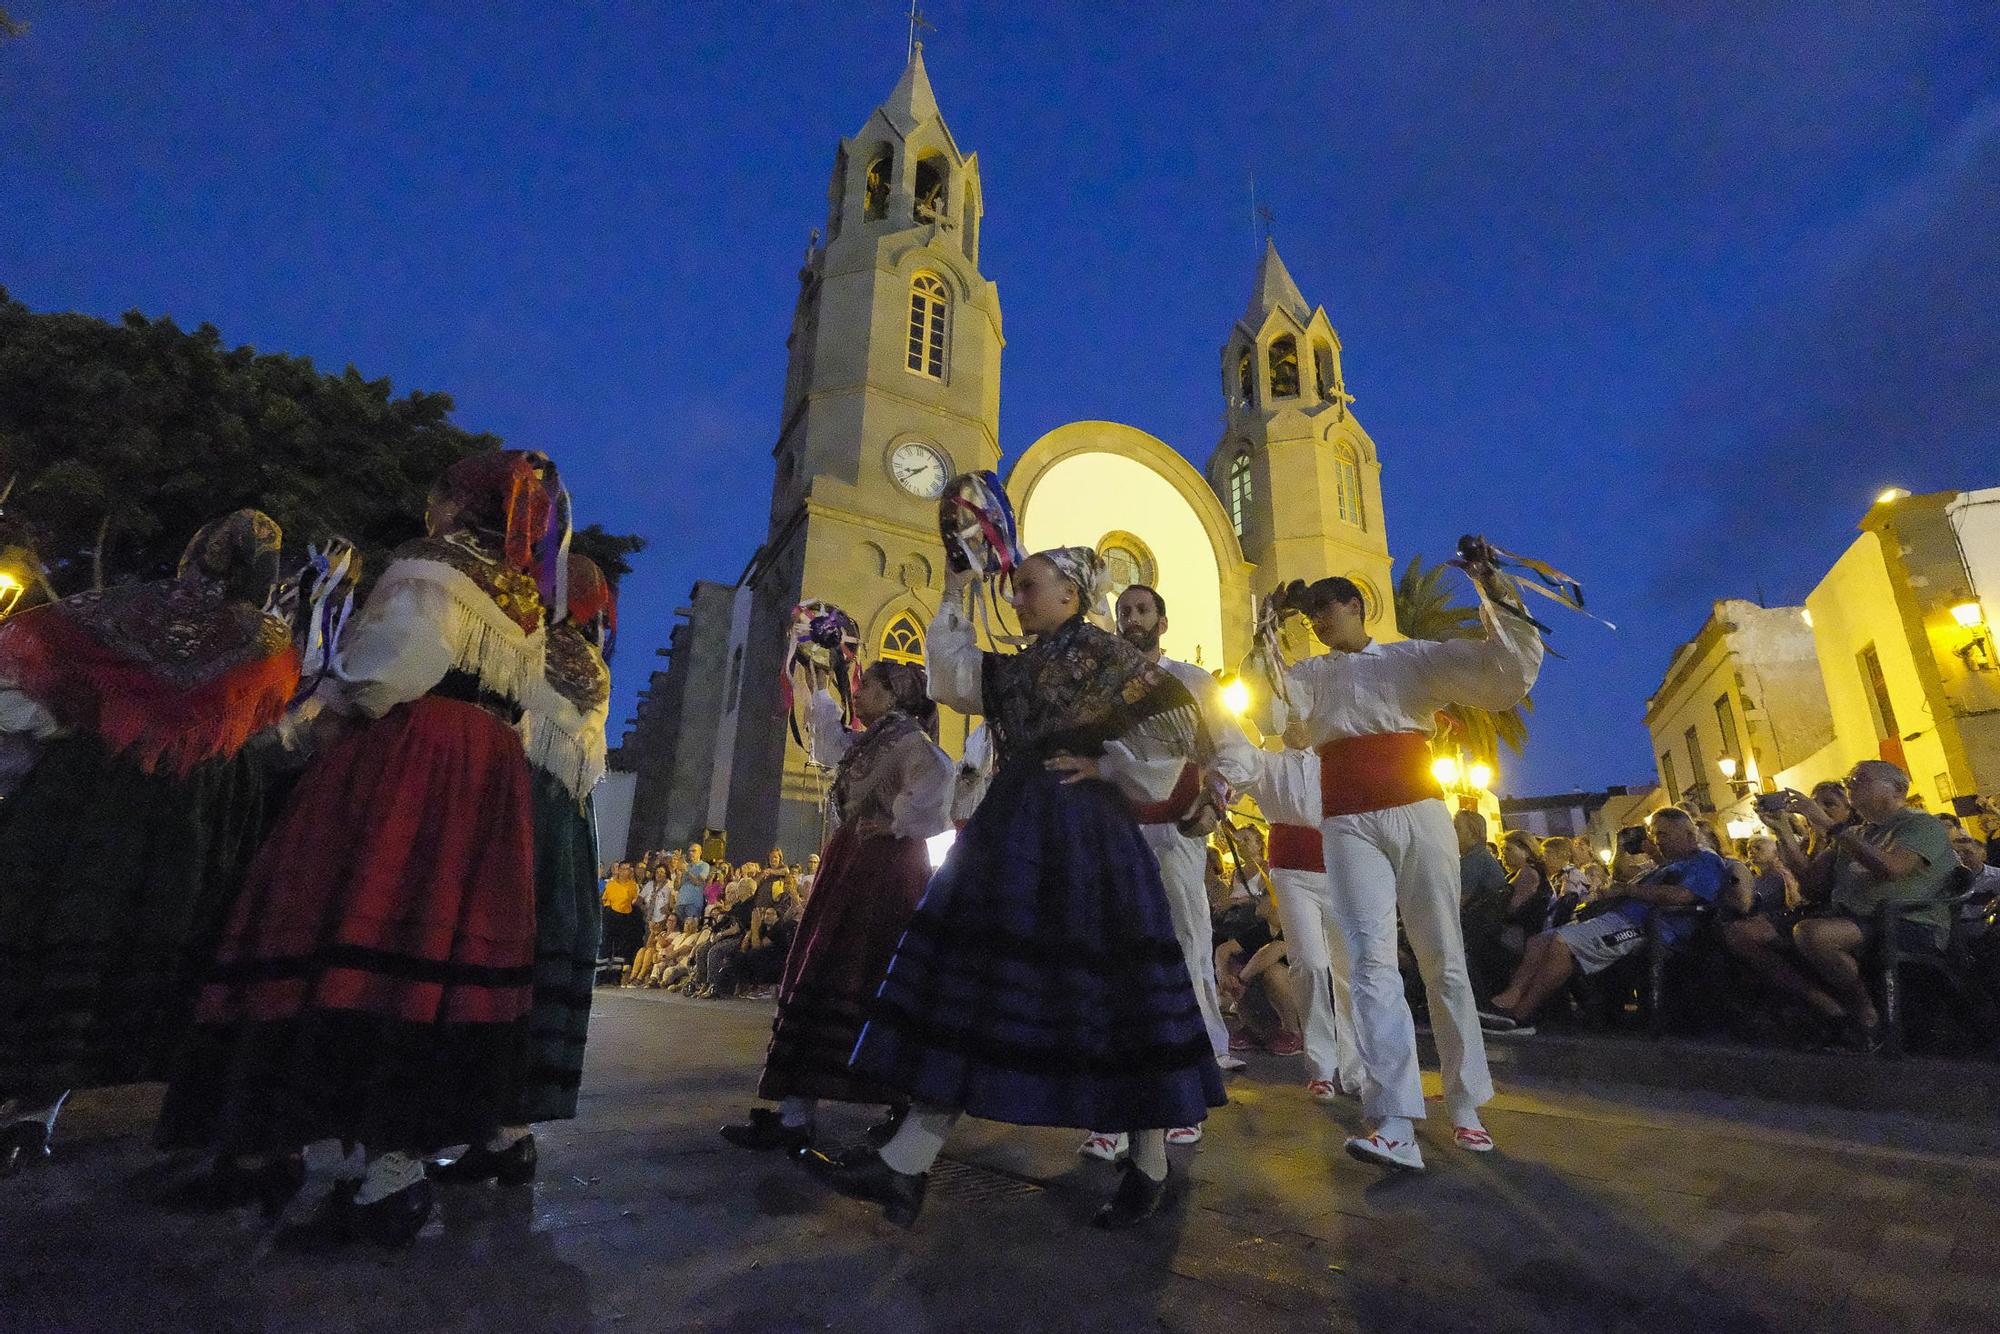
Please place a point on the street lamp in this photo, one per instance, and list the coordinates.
(1480, 776)
(1236, 696)
(1740, 786)
(1445, 769)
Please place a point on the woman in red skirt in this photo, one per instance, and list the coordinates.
(374, 982)
(891, 792)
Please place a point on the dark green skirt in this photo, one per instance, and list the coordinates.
(566, 927)
(114, 887)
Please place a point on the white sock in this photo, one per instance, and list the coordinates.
(797, 1113)
(1464, 1112)
(1149, 1153)
(919, 1140)
(388, 1174)
(506, 1137)
(1397, 1128)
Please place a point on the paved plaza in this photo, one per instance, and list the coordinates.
(1604, 1210)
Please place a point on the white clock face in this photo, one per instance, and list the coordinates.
(919, 469)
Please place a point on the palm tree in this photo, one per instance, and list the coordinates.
(1425, 610)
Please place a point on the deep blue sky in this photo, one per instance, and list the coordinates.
(1663, 300)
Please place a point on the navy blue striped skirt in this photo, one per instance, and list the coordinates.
(1040, 982)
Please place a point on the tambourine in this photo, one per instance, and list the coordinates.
(823, 642)
(976, 521)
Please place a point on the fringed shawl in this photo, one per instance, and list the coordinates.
(861, 768)
(565, 719)
(1079, 687)
(169, 674)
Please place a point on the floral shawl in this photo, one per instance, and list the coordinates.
(875, 749)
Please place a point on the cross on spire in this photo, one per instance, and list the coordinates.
(917, 22)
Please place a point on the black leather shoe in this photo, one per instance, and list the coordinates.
(390, 1222)
(862, 1175)
(512, 1166)
(21, 1144)
(767, 1130)
(1139, 1197)
(226, 1185)
(885, 1130)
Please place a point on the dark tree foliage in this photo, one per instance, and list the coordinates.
(609, 550)
(136, 433)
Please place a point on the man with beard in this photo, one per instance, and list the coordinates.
(1142, 619)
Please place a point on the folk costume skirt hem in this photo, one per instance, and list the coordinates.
(566, 914)
(1040, 981)
(375, 979)
(862, 900)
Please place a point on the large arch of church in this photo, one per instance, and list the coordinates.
(1132, 496)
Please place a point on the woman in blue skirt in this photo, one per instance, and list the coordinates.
(1040, 982)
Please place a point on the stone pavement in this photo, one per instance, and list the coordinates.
(1605, 1209)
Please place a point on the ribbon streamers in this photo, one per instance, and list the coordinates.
(825, 642)
(1487, 565)
(976, 521)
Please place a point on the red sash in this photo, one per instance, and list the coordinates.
(1295, 847)
(1374, 773)
(1186, 788)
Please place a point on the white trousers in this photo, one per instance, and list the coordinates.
(1184, 871)
(1317, 950)
(1405, 860)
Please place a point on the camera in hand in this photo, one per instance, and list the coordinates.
(1772, 803)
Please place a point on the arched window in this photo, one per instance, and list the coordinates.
(1347, 484)
(875, 189)
(1285, 367)
(930, 204)
(928, 312)
(903, 641)
(1239, 490)
(1246, 375)
(1329, 378)
(1127, 560)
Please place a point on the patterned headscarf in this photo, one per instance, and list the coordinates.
(1084, 568)
(910, 686)
(237, 553)
(593, 605)
(503, 496)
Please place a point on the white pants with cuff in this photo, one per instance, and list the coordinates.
(1316, 947)
(1184, 872)
(1379, 864)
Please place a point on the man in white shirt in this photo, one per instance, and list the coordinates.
(1368, 709)
(1142, 619)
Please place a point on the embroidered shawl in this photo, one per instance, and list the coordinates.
(1079, 687)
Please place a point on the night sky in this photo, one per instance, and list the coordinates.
(1664, 301)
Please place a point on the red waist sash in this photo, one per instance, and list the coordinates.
(1177, 804)
(1374, 773)
(1295, 847)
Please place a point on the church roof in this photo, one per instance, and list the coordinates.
(912, 103)
(1275, 290)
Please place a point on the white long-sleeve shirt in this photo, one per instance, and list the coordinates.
(913, 789)
(955, 665)
(1400, 687)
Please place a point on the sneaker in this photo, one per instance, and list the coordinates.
(1400, 1154)
(1109, 1148)
(1229, 1061)
(1244, 1042)
(1495, 1022)
(1323, 1090)
(1473, 1139)
(1286, 1044)
(1184, 1135)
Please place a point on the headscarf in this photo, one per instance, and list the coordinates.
(171, 672)
(504, 498)
(1085, 569)
(592, 605)
(910, 687)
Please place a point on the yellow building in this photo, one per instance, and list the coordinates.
(893, 387)
(1902, 627)
(1741, 702)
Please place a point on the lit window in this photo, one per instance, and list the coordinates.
(928, 311)
(1347, 484)
(875, 187)
(1239, 490)
(1329, 379)
(903, 641)
(1246, 375)
(1127, 561)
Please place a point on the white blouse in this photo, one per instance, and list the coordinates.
(955, 662)
(422, 620)
(914, 789)
(1400, 687)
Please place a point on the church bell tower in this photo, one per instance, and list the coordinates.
(892, 388)
(1295, 472)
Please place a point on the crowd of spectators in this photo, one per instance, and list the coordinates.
(691, 922)
(1776, 937)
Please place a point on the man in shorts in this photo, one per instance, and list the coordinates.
(1688, 873)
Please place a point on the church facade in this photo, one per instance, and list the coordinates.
(892, 388)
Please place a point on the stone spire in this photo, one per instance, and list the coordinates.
(912, 103)
(1275, 290)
